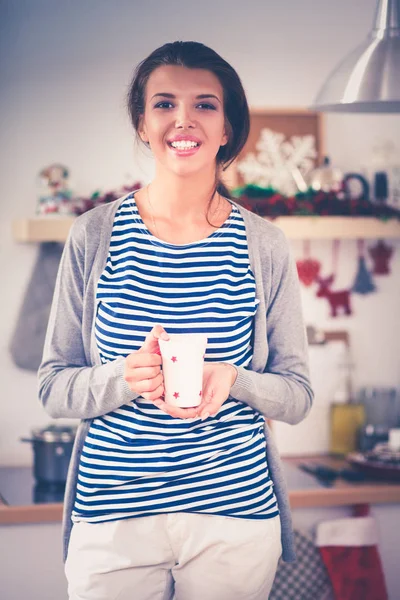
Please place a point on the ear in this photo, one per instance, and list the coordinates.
(225, 139)
(143, 136)
(142, 130)
(227, 133)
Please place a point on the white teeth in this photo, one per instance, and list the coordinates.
(184, 144)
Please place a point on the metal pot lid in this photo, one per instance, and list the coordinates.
(54, 433)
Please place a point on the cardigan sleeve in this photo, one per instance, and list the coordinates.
(68, 386)
(283, 391)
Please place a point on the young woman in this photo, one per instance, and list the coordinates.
(164, 500)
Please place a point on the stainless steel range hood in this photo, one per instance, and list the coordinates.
(368, 79)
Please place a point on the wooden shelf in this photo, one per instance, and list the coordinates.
(42, 229)
(55, 229)
(338, 227)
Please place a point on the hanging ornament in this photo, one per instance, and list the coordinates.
(337, 299)
(308, 268)
(381, 254)
(349, 548)
(280, 162)
(363, 283)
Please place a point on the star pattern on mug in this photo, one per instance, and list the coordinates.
(174, 359)
(176, 394)
(201, 393)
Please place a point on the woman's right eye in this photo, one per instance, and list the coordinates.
(162, 104)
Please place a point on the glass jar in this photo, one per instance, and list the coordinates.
(346, 422)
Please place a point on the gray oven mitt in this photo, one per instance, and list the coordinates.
(305, 579)
(27, 340)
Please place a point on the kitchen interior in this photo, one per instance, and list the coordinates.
(69, 147)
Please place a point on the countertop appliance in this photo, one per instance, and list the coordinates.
(52, 448)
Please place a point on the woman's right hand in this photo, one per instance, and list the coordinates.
(142, 370)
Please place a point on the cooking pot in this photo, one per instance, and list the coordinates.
(52, 448)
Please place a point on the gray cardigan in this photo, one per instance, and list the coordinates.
(72, 382)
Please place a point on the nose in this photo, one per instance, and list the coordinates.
(184, 118)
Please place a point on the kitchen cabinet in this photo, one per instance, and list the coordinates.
(56, 228)
(26, 527)
(31, 562)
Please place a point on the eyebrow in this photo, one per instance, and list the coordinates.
(199, 97)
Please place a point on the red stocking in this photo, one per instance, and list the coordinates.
(350, 553)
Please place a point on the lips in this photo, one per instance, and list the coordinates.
(184, 138)
(184, 151)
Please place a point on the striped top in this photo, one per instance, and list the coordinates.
(138, 460)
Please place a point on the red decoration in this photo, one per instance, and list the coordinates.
(176, 394)
(349, 549)
(381, 254)
(82, 204)
(339, 299)
(355, 572)
(174, 359)
(268, 202)
(308, 268)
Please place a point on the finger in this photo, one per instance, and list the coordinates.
(141, 373)
(156, 395)
(203, 410)
(147, 386)
(180, 413)
(186, 413)
(143, 359)
(209, 411)
(151, 341)
(210, 407)
(176, 411)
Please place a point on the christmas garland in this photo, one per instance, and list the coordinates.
(270, 203)
(81, 204)
(267, 202)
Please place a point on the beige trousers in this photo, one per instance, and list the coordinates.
(194, 556)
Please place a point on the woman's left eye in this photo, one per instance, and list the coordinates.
(202, 105)
(206, 106)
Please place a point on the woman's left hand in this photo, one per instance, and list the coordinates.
(218, 379)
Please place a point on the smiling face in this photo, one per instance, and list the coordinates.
(184, 120)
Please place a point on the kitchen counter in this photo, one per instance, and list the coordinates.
(341, 492)
(21, 501)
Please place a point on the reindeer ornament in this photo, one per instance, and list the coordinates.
(337, 299)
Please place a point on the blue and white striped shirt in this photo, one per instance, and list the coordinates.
(138, 460)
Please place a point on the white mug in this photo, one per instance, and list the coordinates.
(182, 364)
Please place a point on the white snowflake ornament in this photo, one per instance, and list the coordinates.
(281, 163)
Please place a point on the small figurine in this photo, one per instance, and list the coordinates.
(55, 196)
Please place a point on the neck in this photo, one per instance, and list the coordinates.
(181, 198)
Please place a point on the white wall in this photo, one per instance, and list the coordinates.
(65, 68)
